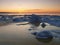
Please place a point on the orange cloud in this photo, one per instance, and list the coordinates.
(33, 11)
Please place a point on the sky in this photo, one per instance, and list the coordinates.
(30, 5)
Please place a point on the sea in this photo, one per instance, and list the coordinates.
(16, 30)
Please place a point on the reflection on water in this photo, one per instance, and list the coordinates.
(20, 35)
(44, 40)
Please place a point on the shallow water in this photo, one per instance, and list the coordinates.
(20, 35)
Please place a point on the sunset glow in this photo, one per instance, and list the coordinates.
(30, 6)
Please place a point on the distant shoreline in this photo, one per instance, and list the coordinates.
(30, 13)
(27, 15)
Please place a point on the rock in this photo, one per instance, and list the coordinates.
(43, 25)
(34, 20)
(34, 33)
(16, 20)
(29, 29)
(44, 36)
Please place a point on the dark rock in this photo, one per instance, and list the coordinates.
(29, 29)
(35, 20)
(16, 20)
(44, 36)
(43, 25)
(34, 33)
